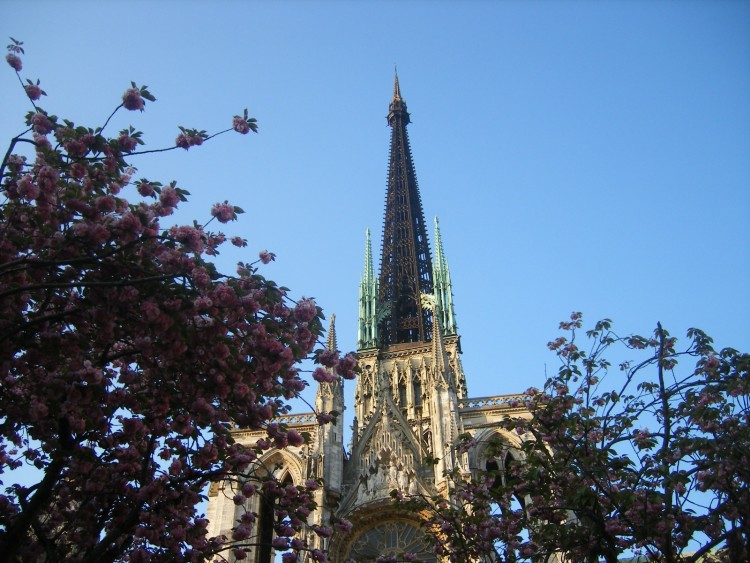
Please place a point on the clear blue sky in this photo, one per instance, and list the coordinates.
(580, 155)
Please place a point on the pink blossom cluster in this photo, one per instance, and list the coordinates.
(127, 143)
(41, 124)
(132, 99)
(240, 125)
(244, 124)
(33, 91)
(266, 257)
(190, 138)
(14, 61)
(224, 212)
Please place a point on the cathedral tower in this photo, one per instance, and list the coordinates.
(411, 379)
(411, 401)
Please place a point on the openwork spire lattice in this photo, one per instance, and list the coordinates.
(405, 263)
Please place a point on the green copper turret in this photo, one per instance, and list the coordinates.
(443, 292)
(367, 334)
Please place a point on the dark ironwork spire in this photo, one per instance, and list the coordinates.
(405, 264)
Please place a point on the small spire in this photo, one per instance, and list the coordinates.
(328, 392)
(332, 344)
(396, 88)
(443, 290)
(439, 257)
(369, 270)
(368, 291)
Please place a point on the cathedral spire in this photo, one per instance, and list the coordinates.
(331, 343)
(443, 291)
(405, 263)
(397, 108)
(367, 333)
(329, 393)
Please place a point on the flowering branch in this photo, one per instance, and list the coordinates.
(127, 357)
(590, 481)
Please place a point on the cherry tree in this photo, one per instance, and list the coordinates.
(648, 459)
(126, 356)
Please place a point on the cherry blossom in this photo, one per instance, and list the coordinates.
(132, 99)
(14, 61)
(238, 124)
(224, 212)
(182, 141)
(33, 91)
(266, 257)
(127, 357)
(244, 124)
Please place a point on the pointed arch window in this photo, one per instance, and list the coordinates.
(402, 401)
(366, 394)
(500, 472)
(266, 524)
(510, 477)
(417, 392)
(427, 441)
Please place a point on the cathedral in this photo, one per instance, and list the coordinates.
(411, 401)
